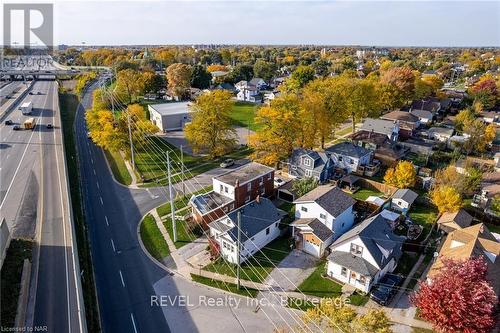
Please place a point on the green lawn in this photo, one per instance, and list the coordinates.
(493, 228)
(118, 167)
(231, 287)
(344, 131)
(423, 215)
(153, 239)
(364, 193)
(185, 233)
(259, 266)
(12, 270)
(243, 114)
(317, 285)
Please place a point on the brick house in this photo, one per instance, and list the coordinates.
(232, 190)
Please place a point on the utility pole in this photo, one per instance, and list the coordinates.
(172, 206)
(130, 139)
(238, 246)
(182, 173)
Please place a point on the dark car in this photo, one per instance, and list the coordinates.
(8, 122)
(49, 126)
(385, 289)
(16, 128)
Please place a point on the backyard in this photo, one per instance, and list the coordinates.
(243, 114)
(364, 193)
(259, 266)
(424, 215)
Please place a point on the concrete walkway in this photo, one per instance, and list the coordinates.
(182, 267)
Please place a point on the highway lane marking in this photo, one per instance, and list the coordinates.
(100, 198)
(121, 278)
(92, 160)
(94, 171)
(106, 218)
(22, 158)
(98, 185)
(113, 245)
(133, 322)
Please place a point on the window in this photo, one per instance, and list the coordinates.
(276, 224)
(225, 209)
(308, 173)
(263, 191)
(247, 199)
(232, 206)
(356, 249)
(304, 209)
(261, 180)
(307, 162)
(269, 176)
(226, 189)
(267, 231)
(340, 158)
(322, 216)
(351, 161)
(249, 186)
(362, 280)
(294, 167)
(343, 271)
(221, 188)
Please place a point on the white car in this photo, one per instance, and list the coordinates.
(227, 163)
(278, 182)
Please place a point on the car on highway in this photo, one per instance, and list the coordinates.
(49, 126)
(227, 163)
(89, 136)
(278, 182)
(8, 122)
(385, 289)
(16, 128)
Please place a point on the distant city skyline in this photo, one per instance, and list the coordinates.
(401, 23)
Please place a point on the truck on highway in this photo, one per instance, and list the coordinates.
(26, 108)
(29, 123)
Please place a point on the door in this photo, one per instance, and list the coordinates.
(310, 248)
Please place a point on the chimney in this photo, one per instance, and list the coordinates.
(257, 200)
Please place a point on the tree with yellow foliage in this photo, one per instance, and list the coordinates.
(401, 176)
(279, 130)
(179, 79)
(446, 198)
(210, 128)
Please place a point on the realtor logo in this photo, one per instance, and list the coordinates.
(28, 26)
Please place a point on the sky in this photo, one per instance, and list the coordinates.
(380, 23)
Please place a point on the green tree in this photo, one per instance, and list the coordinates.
(210, 128)
(299, 78)
(264, 69)
(200, 77)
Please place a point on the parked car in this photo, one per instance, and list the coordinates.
(49, 126)
(16, 128)
(8, 122)
(278, 182)
(227, 163)
(385, 289)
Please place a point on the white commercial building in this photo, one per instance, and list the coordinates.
(170, 116)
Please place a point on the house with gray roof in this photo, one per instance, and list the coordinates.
(309, 163)
(329, 205)
(349, 157)
(364, 254)
(311, 236)
(259, 225)
(387, 127)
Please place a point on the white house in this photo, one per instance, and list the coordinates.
(170, 116)
(241, 85)
(259, 225)
(348, 156)
(364, 254)
(331, 207)
(403, 199)
(258, 83)
(249, 94)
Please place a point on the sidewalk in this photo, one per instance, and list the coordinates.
(133, 183)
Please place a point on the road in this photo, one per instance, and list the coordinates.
(35, 203)
(127, 279)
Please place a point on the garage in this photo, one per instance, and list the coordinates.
(170, 116)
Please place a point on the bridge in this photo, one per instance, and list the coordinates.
(35, 66)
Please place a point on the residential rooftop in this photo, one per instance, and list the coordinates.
(244, 174)
(207, 202)
(332, 199)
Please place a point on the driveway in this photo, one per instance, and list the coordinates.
(292, 270)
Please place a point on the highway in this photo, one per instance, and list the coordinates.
(35, 203)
